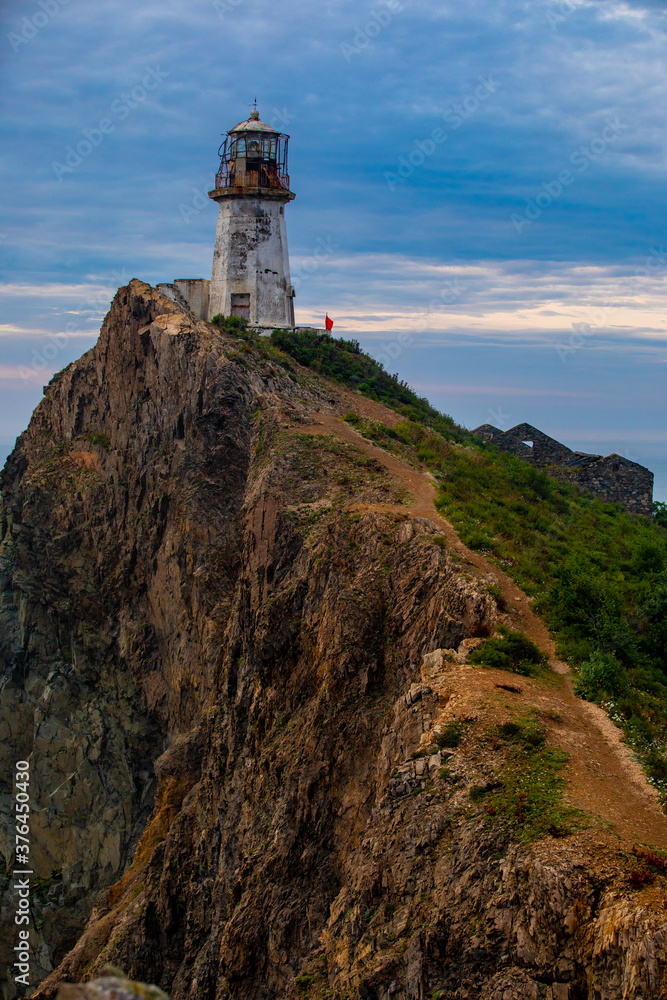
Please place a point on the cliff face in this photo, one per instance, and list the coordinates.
(215, 639)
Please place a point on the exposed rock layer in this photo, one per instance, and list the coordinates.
(205, 620)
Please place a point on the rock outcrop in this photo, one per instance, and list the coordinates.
(228, 652)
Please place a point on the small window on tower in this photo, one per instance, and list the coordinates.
(241, 304)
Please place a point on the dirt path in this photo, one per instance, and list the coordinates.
(602, 776)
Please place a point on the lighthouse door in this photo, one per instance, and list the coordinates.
(241, 304)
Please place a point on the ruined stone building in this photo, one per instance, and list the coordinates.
(612, 478)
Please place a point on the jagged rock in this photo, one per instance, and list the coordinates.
(230, 686)
(438, 660)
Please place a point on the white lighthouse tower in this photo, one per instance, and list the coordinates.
(251, 276)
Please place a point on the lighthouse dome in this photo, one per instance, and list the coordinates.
(253, 124)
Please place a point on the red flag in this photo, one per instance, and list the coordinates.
(328, 323)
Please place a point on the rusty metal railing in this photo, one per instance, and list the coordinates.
(265, 177)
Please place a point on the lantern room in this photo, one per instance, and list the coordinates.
(253, 158)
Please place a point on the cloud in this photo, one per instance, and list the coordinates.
(11, 330)
(52, 291)
(514, 300)
(22, 374)
(603, 434)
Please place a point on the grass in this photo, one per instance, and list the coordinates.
(528, 793)
(408, 438)
(597, 573)
(251, 344)
(344, 362)
(304, 982)
(313, 981)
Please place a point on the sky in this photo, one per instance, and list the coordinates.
(480, 190)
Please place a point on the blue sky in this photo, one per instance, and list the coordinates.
(487, 178)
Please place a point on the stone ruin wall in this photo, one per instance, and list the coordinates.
(613, 479)
(543, 450)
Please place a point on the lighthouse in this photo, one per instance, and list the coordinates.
(251, 275)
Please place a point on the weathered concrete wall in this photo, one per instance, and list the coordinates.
(196, 292)
(191, 293)
(171, 291)
(251, 256)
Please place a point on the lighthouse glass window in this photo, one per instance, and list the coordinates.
(254, 148)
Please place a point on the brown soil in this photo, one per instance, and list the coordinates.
(602, 775)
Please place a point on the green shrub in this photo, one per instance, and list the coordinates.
(660, 513)
(230, 324)
(514, 651)
(600, 676)
(102, 440)
(649, 557)
(304, 982)
(641, 730)
(495, 591)
(657, 766)
(479, 792)
(451, 735)
(476, 540)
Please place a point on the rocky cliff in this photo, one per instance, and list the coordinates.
(235, 660)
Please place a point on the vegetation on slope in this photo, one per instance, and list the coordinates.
(597, 573)
(344, 362)
(527, 793)
(599, 576)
